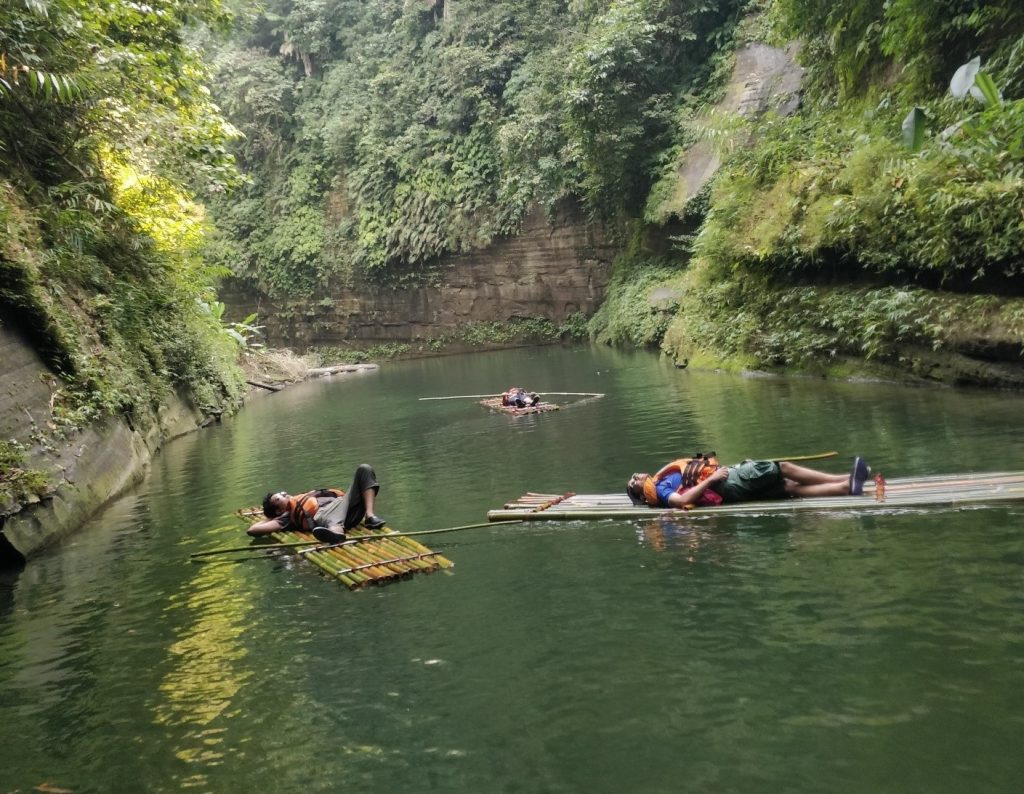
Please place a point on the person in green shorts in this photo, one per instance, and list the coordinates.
(748, 481)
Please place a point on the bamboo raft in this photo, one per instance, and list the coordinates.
(494, 404)
(371, 557)
(948, 490)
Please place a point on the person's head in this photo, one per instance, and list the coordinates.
(275, 503)
(635, 488)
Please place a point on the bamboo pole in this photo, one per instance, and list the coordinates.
(399, 548)
(436, 531)
(325, 547)
(573, 393)
(464, 397)
(250, 547)
(351, 539)
(819, 456)
(338, 563)
(334, 568)
(401, 559)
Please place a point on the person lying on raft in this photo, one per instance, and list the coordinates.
(702, 482)
(326, 512)
(517, 397)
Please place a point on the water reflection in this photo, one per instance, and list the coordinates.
(204, 674)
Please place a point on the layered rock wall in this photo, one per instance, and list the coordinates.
(554, 268)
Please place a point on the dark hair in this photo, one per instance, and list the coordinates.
(268, 508)
(636, 498)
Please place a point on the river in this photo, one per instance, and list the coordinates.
(802, 653)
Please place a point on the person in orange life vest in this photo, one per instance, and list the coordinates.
(326, 512)
(516, 397)
(702, 482)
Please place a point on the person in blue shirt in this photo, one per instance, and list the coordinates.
(702, 482)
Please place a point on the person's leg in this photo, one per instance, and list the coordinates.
(334, 519)
(801, 475)
(801, 481)
(752, 480)
(794, 488)
(329, 519)
(361, 495)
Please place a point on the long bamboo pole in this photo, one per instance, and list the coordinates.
(250, 547)
(435, 531)
(463, 397)
(819, 456)
(351, 539)
(385, 562)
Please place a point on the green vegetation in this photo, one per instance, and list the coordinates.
(379, 136)
(106, 134)
(18, 483)
(756, 324)
(908, 222)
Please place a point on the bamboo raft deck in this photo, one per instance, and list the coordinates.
(374, 556)
(494, 404)
(948, 490)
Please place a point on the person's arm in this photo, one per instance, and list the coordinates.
(691, 496)
(268, 526)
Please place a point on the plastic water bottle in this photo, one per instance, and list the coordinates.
(879, 487)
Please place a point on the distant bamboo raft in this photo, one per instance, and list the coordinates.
(380, 555)
(947, 490)
(494, 403)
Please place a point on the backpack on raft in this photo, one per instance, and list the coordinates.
(691, 470)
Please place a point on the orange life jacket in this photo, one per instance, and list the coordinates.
(302, 509)
(694, 470)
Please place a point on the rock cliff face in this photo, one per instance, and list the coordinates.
(764, 79)
(85, 469)
(552, 269)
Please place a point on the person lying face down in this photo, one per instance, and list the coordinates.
(702, 482)
(326, 512)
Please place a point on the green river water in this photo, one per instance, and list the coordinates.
(806, 653)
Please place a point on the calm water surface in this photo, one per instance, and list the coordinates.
(845, 653)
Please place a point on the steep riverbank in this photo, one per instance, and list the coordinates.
(82, 470)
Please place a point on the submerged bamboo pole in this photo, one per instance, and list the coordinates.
(400, 559)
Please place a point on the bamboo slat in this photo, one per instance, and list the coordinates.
(933, 491)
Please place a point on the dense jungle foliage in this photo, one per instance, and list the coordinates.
(889, 213)
(382, 135)
(108, 143)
